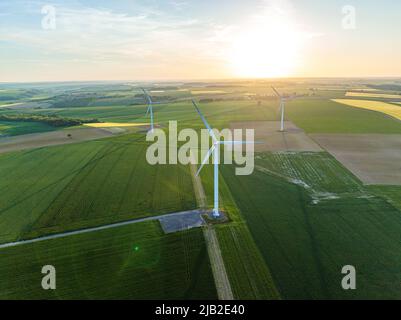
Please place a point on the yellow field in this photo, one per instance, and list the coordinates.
(373, 95)
(10, 105)
(114, 124)
(387, 108)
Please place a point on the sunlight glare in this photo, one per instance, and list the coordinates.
(269, 48)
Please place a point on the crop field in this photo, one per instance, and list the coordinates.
(373, 95)
(61, 188)
(11, 128)
(115, 124)
(310, 217)
(270, 139)
(381, 154)
(131, 262)
(383, 107)
(293, 224)
(314, 112)
(325, 116)
(249, 276)
(392, 194)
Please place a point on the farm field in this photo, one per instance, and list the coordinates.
(293, 224)
(373, 95)
(383, 107)
(249, 276)
(309, 217)
(50, 190)
(381, 154)
(114, 124)
(11, 128)
(53, 138)
(326, 116)
(131, 262)
(270, 139)
(392, 194)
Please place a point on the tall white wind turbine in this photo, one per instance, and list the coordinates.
(282, 107)
(150, 109)
(283, 100)
(215, 151)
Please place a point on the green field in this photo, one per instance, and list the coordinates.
(324, 116)
(61, 188)
(131, 262)
(392, 194)
(314, 111)
(249, 276)
(11, 128)
(293, 224)
(314, 217)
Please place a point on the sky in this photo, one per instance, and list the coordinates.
(79, 40)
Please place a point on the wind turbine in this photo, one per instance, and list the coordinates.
(283, 100)
(215, 151)
(150, 109)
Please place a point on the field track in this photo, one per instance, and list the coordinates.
(82, 231)
(222, 282)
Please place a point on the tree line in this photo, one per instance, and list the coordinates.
(52, 120)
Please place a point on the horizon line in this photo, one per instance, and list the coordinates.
(201, 79)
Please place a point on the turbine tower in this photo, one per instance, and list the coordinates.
(283, 100)
(150, 109)
(282, 107)
(215, 151)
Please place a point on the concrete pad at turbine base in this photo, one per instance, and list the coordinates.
(269, 138)
(185, 221)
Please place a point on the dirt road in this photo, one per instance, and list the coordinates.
(221, 280)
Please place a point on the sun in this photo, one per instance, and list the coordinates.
(270, 48)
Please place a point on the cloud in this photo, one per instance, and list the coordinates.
(102, 33)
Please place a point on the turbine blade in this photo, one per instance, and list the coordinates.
(211, 133)
(209, 153)
(147, 96)
(276, 92)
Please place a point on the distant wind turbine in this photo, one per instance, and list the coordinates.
(215, 151)
(150, 109)
(283, 100)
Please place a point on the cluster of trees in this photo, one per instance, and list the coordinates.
(51, 120)
(154, 98)
(390, 87)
